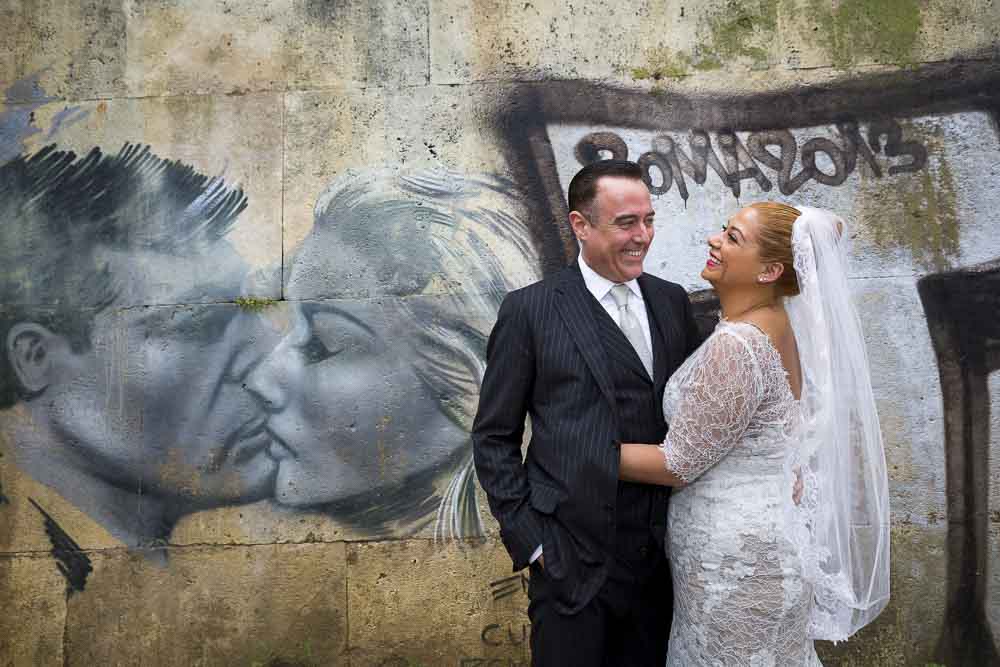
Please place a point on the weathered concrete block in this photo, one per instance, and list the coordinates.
(908, 395)
(325, 43)
(31, 627)
(451, 127)
(179, 47)
(901, 32)
(416, 602)
(475, 41)
(326, 133)
(397, 41)
(207, 606)
(77, 49)
(334, 43)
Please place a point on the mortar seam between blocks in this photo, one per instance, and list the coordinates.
(347, 607)
(65, 630)
(284, 146)
(194, 546)
(430, 61)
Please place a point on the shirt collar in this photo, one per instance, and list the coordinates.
(599, 286)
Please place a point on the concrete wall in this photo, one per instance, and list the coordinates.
(250, 253)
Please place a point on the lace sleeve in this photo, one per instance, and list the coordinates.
(716, 403)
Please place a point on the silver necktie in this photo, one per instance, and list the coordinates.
(630, 326)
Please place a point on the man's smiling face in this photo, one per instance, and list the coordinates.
(618, 231)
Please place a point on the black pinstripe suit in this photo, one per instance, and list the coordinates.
(554, 354)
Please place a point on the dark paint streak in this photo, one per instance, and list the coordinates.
(963, 315)
(72, 562)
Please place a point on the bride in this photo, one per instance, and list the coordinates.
(780, 534)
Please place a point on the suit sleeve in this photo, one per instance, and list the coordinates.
(498, 430)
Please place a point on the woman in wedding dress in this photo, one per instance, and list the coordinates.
(778, 530)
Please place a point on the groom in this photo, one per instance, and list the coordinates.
(586, 354)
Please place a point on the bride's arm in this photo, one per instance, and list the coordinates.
(717, 401)
(644, 463)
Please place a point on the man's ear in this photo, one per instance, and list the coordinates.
(30, 349)
(579, 224)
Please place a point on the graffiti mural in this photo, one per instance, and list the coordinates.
(119, 401)
(353, 398)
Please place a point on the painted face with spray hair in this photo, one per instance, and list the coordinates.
(351, 415)
(372, 391)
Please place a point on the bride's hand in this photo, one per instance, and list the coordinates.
(798, 487)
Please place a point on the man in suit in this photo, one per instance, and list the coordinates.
(586, 353)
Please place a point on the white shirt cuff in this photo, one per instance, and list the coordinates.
(535, 554)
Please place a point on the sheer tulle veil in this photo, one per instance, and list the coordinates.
(841, 523)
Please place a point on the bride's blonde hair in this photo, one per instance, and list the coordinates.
(774, 240)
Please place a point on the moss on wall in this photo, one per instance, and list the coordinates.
(254, 303)
(740, 30)
(853, 31)
(849, 31)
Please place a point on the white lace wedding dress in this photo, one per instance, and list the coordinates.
(739, 596)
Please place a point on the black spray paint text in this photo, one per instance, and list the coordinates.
(734, 160)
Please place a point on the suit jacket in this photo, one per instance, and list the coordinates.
(547, 360)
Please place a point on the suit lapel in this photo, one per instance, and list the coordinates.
(619, 348)
(660, 327)
(574, 307)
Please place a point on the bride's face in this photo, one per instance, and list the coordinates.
(733, 253)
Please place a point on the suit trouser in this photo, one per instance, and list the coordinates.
(626, 624)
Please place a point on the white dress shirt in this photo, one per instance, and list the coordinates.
(600, 287)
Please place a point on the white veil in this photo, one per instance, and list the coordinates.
(841, 524)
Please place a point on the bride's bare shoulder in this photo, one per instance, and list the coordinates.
(772, 322)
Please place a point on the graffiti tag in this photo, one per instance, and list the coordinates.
(508, 586)
(733, 160)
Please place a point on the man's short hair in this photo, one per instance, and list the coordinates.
(583, 187)
(55, 210)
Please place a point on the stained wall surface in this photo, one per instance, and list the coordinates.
(251, 251)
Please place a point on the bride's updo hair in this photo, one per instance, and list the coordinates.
(774, 240)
